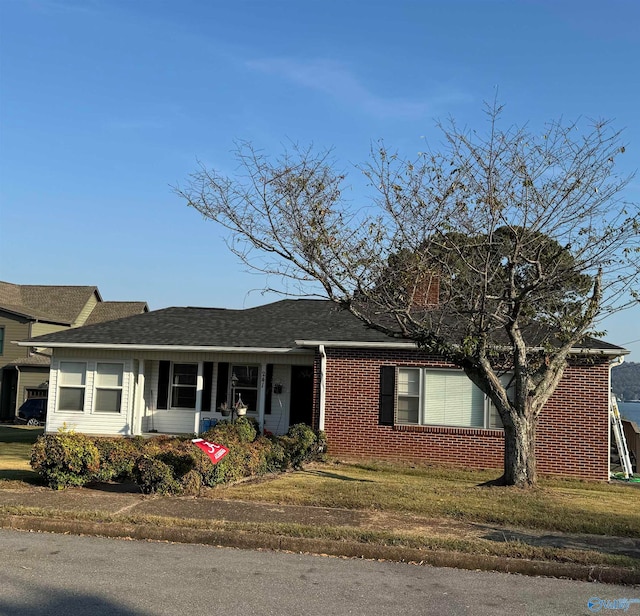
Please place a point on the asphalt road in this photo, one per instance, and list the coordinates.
(68, 575)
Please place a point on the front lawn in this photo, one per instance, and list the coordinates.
(15, 451)
(428, 492)
(558, 505)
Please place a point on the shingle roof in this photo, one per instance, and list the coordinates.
(277, 326)
(38, 361)
(10, 294)
(62, 304)
(110, 311)
(53, 303)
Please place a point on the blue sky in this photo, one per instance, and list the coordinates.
(104, 104)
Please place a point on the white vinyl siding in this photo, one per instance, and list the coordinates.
(440, 397)
(68, 374)
(167, 421)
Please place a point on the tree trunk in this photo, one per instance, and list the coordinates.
(519, 452)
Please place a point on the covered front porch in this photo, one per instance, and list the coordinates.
(178, 396)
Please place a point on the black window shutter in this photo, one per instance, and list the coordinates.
(269, 392)
(223, 383)
(163, 384)
(387, 395)
(207, 382)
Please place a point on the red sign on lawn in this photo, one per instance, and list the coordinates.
(214, 451)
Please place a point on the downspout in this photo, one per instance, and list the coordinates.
(612, 364)
(262, 396)
(19, 402)
(323, 386)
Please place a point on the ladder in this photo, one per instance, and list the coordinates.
(618, 432)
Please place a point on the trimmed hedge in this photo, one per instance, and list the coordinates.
(65, 459)
(172, 465)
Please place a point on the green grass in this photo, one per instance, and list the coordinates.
(15, 452)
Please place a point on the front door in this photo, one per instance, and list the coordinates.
(301, 395)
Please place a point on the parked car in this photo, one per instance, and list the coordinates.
(33, 412)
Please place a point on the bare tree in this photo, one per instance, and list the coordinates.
(524, 237)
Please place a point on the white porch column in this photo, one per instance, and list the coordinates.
(262, 395)
(139, 401)
(199, 387)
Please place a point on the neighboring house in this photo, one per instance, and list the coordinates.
(306, 361)
(27, 311)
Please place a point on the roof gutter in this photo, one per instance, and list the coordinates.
(344, 344)
(349, 344)
(153, 347)
(33, 317)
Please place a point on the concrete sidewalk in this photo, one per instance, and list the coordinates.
(110, 511)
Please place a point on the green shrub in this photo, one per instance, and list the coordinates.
(276, 459)
(258, 457)
(301, 444)
(117, 458)
(243, 460)
(172, 465)
(230, 468)
(65, 459)
(179, 462)
(155, 476)
(191, 482)
(159, 444)
(241, 430)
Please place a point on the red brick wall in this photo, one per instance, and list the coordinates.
(572, 435)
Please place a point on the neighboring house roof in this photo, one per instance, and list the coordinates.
(110, 311)
(283, 325)
(55, 304)
(62, 304)
(33, 361)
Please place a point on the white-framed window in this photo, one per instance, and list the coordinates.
(71, 385)
(409, 395)
(442, 397)
(108, 387)
(184, 383)
(244, 385)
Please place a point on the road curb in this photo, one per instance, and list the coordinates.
(346, 549)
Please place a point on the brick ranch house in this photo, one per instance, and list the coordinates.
(306, 361)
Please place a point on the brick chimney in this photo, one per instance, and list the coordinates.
(425, 292)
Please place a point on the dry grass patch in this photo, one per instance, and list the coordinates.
(563, 506)
(431, 542)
